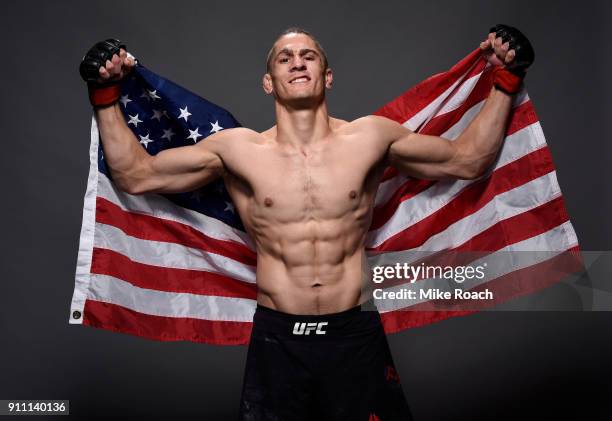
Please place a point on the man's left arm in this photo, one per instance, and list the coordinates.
(433, 157)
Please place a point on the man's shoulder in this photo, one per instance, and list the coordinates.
(243, 133)
(228, 142)
(235, 135)
(366, 123)
(370, 126)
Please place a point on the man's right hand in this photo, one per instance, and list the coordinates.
(105, 62)
(104, 65)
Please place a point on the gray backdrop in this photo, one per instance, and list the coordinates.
(485, 366)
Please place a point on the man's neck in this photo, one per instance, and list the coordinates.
(301, 127)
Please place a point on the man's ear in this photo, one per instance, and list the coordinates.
(266, 82)
(329, 78)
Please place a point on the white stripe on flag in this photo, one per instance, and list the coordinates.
(109, 289)
(460, 95)
(453, 132)
(160, 207)
(170, 255)
(86, 239)
(426, 112)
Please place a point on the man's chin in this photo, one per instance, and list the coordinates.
(300, 102)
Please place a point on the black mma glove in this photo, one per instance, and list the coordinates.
(509, 77)
(101, 94)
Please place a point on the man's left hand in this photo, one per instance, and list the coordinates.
(507, 46)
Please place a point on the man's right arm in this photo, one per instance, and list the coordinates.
(170, 171)
(132, 168)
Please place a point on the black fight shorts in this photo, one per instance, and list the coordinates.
(329, 367)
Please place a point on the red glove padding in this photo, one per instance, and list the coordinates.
(104, 95)
(506, 81)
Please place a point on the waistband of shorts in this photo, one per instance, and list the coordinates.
(359, 319)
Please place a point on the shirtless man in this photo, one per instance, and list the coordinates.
(305, 190)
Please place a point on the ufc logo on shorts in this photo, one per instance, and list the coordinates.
(306, 328)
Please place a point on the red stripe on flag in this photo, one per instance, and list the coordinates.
(120, 319)
(152, 228)
(518, 228)
(418, 97)
(109, 262)
(389, 173)
(480, 92)
(472, 198)
(522, 116)
(408, 190)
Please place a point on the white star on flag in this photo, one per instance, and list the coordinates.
(194, 134)
(215, 127)
(229, 207)
(134, 120)
(150, 95)
(144, 140)
(184, 113)
(168, 134)
(157, 115)
(153, 94)
(124, 100)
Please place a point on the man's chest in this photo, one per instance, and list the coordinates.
(324, 181)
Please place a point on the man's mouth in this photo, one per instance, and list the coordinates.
(301, 79)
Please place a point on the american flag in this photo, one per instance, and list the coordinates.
(181, 267)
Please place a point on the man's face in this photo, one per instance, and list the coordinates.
(297, 77)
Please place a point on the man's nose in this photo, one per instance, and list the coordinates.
(298, 64)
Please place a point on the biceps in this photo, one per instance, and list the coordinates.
(182, 169)
(423, 156)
